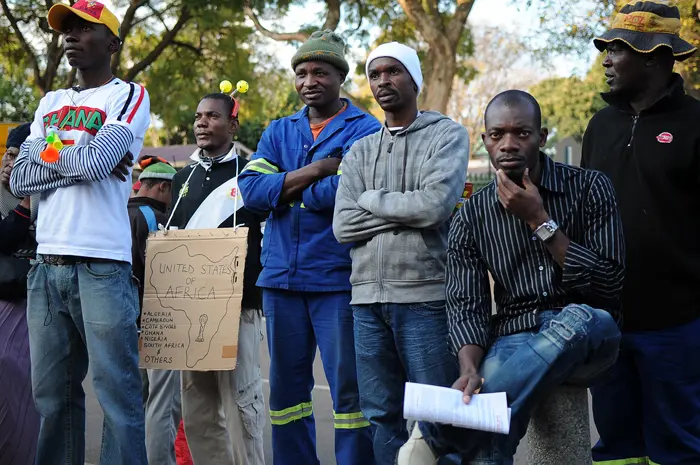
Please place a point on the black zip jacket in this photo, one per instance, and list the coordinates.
(14, 230)
(653, 160)
(204, 182)
(17, 246)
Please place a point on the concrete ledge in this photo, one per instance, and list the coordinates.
(559, 431)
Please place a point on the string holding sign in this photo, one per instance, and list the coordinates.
(227, 88)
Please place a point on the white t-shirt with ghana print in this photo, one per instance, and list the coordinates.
(90, 219)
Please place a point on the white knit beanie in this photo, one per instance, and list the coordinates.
(406, 55)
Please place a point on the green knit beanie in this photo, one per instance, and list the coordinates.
(158, 171)
(323, 46)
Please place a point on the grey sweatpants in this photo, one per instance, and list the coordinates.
(162, 404)
(224, 411)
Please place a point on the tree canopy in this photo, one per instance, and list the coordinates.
(436, 28)
(568, 103)
(182, 49)
(31, 53)
(498, 64)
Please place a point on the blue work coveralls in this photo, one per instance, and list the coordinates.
(306, 287)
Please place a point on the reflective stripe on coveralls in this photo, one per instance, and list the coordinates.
(349, 420)
(288, 415)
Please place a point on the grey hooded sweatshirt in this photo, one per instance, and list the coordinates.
(394, 201)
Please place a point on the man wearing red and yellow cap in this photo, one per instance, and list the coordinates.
(82, 298)
(647, 141)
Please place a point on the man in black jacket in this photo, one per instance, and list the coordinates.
(648, 142)
(161, 387)
(19, 423)
(17, 216)
(204, 196)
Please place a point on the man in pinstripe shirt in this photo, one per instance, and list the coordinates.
(551, 237)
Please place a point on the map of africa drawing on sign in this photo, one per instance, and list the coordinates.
(187, 298)
(192, 300)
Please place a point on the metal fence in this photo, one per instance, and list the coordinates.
(480, 180)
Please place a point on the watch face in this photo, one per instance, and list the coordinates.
(546, 231)
(543, 233)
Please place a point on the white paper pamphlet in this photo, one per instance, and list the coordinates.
(435, 404)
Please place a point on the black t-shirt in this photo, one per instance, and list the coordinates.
(202, 183)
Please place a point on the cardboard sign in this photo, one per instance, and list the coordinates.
(192, 299)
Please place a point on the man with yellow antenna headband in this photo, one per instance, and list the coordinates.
(223, 411)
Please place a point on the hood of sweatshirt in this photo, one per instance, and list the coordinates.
(424, 120)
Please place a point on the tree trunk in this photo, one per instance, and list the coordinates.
(443, 38)
(166, 39)
(437, 80)
(333, 14)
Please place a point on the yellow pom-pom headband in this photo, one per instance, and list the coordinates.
(226, 87)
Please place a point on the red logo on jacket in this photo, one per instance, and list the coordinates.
(665, 138)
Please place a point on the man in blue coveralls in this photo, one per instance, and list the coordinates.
(294, 176)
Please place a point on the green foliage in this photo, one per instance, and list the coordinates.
(394, 25)
(185, 73)
(216, 43)
(252, 127)
(274, 96)
(690, 31)
(16, 59)
(567, 27)
(17, 99)
(569, 103)
(210, 49)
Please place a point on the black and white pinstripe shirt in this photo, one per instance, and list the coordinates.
(485, 238)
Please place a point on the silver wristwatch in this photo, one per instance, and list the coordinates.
(546, 230)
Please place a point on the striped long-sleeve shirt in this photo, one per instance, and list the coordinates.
(92, 162)
(484, 238)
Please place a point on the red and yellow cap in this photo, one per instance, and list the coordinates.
(89, 10)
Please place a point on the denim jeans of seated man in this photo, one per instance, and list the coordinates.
(396, 343)
(77, 313)
(575, 346)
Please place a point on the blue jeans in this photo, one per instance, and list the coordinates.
(576, 345)
(649, 403)
(77, 313)
(396, 343)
